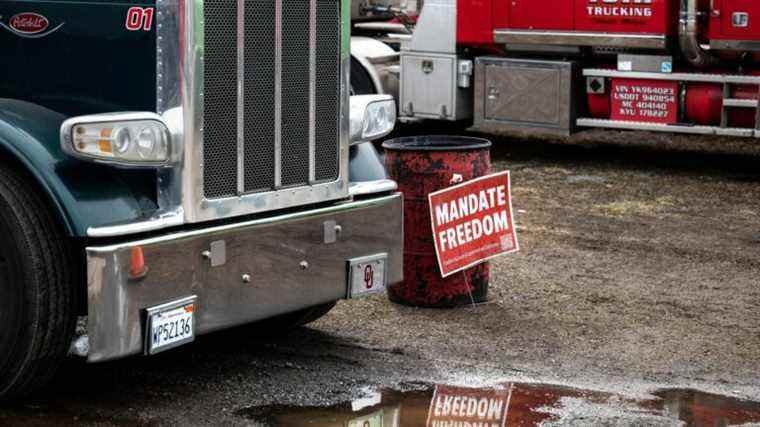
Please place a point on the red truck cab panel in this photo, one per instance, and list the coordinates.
(735, 20)
(475, 22)
(609, 16)
(540, 15)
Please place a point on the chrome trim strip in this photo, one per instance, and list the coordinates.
(176, 218)
(171, 219)
(312, 88)
(741, 103)
(683, 77)
(278, 94)
(573, 38)
(743, 45)
(241, 96)
(191, 89)
(334, 209)
(372, 187)
(659, 127)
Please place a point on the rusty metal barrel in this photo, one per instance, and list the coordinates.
(422, 165)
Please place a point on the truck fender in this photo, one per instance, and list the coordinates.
(379, 61)
(366, 164)
(83, 194)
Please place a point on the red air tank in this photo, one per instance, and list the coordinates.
(704, 104)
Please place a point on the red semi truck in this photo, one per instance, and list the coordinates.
(557, 66)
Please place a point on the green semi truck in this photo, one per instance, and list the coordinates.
(169, 168)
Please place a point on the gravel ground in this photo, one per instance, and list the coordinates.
(639, 269)
(632, 261)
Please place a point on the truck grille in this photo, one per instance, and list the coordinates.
(271, 102)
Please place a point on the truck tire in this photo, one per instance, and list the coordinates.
(289, 321)
(361, 82)
(37, 294)
(312, 314)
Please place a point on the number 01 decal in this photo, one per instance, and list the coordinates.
(139, 18)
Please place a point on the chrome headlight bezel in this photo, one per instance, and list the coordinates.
(372, 117)
(93, 127)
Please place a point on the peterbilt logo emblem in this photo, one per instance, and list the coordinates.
(29, 25)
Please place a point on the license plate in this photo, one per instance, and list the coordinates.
(170, 325)
(366, 275)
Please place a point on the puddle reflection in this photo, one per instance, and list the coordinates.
(524, 405)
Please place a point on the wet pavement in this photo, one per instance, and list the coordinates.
(637, 283)
(529, 405)
(517, 404)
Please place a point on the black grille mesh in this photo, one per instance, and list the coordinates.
(220, 157)
(295, 87)
(259, 94)
(327, 85)
(220, 93)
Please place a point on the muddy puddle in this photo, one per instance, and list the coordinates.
(514, 404)
(508, 404)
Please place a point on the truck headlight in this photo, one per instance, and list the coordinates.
(128, 139)
(372, 117)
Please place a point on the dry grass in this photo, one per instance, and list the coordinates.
(636, 207)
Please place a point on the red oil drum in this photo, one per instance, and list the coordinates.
(422, 165)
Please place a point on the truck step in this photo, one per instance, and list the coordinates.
(658, 127)
(683, 77)
(740, 103)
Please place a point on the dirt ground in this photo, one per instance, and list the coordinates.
(639, 268)
(637, 260)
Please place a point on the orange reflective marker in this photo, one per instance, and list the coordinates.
(105, 143)
(137, 268)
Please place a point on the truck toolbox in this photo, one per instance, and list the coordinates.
(524, 94)
(430, 89)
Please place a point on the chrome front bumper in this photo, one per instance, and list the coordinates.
(268, 267)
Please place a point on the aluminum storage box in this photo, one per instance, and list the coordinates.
(521, 94)
(430, 88)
